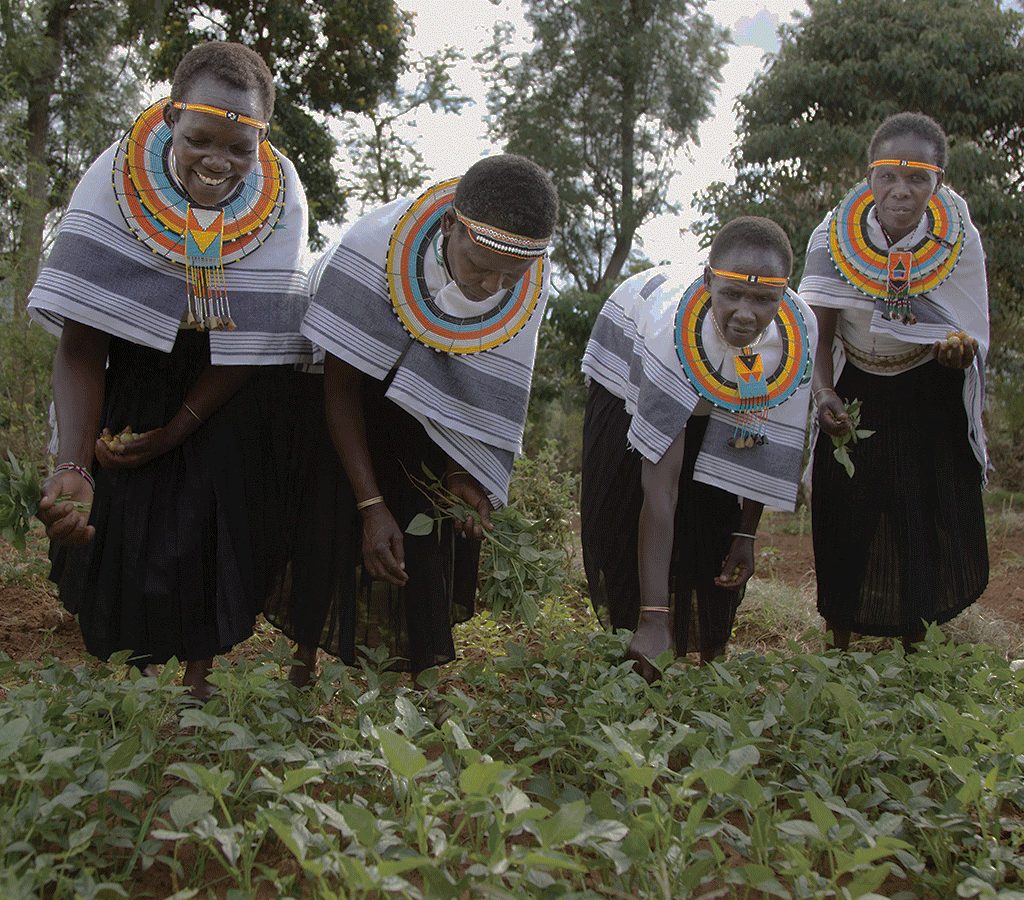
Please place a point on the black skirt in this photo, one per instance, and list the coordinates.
(903, 541)
(611, 499)
(177, 567)
(323, 596)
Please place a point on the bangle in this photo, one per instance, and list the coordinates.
(195, 415)
(752, 537)
(814, 396)
(662, 609)
(365, 504)
(79, 470)
(456, 472)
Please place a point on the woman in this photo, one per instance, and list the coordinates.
(172, 293)
(896, 277)
(428, 309)
(695, 419)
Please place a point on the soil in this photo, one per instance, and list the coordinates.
(34, 625)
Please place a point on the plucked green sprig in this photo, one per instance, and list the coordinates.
(841, 443)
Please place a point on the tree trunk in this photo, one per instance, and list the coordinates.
(37, 176)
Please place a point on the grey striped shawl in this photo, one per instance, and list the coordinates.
(473, 406)
(100, 275)
(960, 302)
(660, 398)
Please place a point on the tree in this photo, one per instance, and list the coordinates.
(606, 97)
(328, 57)
(384, 164)
(71, 77)
(805, 123)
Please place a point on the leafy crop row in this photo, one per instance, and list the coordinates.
(559, 773)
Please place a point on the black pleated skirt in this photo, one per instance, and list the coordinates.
(903, 541)
(177, 567)
(611, 499)
(322, 595)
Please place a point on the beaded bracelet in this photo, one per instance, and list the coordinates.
(365, 504)
(752, 537)
(80, 470)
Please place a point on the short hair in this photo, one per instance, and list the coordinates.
(755, 230)
(913, 123)
(232, 63)
(509, 192)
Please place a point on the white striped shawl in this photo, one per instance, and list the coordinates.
(100, 275)
(472, 405)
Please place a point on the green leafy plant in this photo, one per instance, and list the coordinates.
(516, 571)
(19, 499)
(841, 443)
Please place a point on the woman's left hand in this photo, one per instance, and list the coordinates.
(957, 351)
(142, 449)
(738, 565)
(468, 490)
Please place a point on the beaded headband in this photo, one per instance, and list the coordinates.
(504, 242)
(906, 164)
(768, 280)
(229, 114)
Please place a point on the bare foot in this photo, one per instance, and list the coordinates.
(840, 638)
(303, 671)
(194, 678)
(151, 671)
(910, 641)
(651, 638)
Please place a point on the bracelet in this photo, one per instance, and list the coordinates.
(752, 537)
(456, 472)
(80, 470)
(365, 504)
(663, 609)
(814, 396)
(195, 415)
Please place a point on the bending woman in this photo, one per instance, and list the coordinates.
(172, 291)
(695, 420)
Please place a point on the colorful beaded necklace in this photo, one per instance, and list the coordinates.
(202, 239)
(416, 237)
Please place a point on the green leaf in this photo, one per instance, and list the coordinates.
(190, 808)
(563, 826)
(421, 525)
(402, 756)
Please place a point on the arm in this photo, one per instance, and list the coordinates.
(654, 556)
(738, 565)
(832, 417)
(383, 543)
(212, 389)
(79, 370)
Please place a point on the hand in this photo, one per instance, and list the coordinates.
(64, 508)
(738, 565)
(957, 351)
(832, 416)
(383, 545)
(652, 637)
(137, 450)
(468, 490)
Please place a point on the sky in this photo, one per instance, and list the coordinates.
(450, 143)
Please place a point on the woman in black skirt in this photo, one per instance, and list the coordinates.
(695, 420)
(171, 339)
(897, 280)
(428, 310)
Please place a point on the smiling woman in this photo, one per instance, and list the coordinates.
(170, 336)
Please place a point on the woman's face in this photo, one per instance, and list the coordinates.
(213, 155)
(478, 272)
(743, 309)
(902, 192)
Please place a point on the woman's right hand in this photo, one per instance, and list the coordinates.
(66, 522)
(383, 545)
(832, 416)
